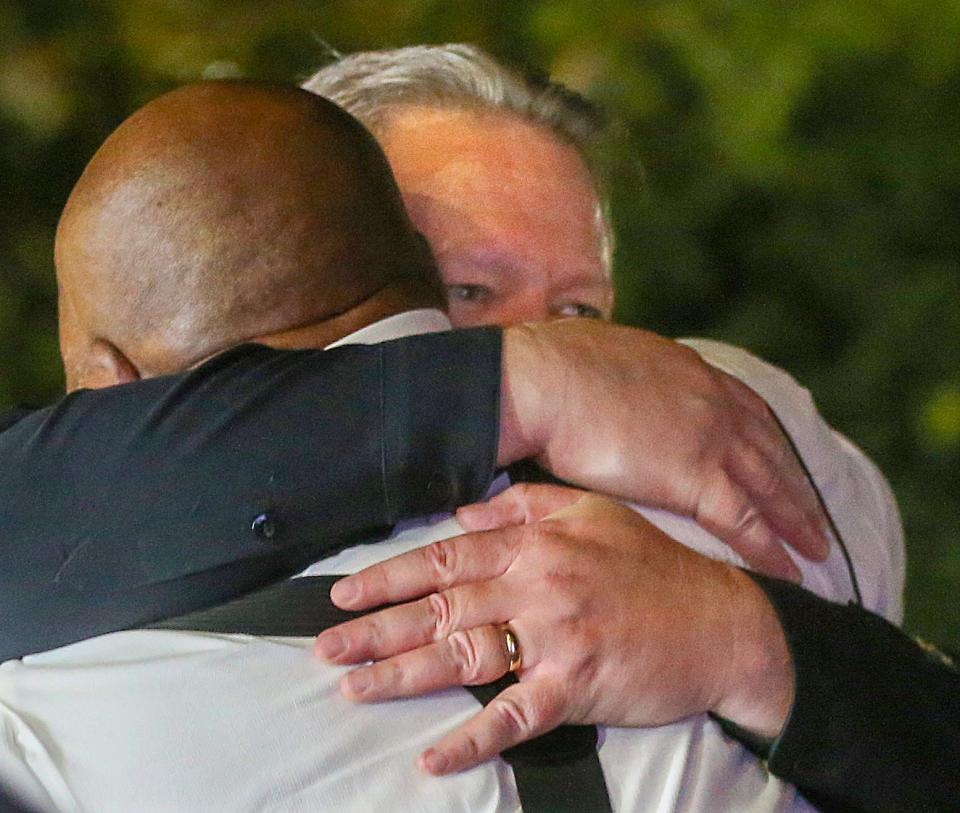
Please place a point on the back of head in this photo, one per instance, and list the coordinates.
(374, 85)
(227, 211)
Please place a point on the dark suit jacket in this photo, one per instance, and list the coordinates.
(875, 724)
(119, 507)
(134, 503)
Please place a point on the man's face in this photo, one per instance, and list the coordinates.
(510, 213)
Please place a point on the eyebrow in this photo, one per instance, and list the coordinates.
(500, 259)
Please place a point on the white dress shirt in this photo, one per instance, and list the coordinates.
(152, 720)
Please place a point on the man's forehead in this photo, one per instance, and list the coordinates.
(479, 149)
(468, 186)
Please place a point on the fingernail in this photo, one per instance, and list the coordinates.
(343, 593)
(359, 681)
(329, 645)
(433, 762)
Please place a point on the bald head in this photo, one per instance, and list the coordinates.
(225, 212)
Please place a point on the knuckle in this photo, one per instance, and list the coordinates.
(440, 610)
(387, 675)
(746, 519)
(706, 434)
(551, 703)
(769, 482)
(546, 536)
(465, 656)
(761, 477)
(709, 383)
(522, 492)
(469, 748)
(755, 402)
(374, 634)
(513, 717)
(724, 509)
(690, 358)
(709, 499)
(748, 397)
(377, 582)
(700, 422)
(705, 413)
(585, 640)
(569, 601)
(442, 560)
(583, 643)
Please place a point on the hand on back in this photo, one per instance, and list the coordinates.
(629, 413)
(617, 624)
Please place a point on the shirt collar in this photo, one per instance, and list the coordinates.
(398, 326)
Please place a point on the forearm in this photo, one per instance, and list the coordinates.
(123, 505)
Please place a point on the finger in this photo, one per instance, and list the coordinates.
(399, 629)
(776, 483)
(518, 505)
(747, 398)
(517, 714)
(465, 658)
(471, 557)
(727, 512)
(763, 428)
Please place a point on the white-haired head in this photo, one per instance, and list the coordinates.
(374, 85)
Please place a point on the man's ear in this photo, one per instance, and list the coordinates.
(103, 365)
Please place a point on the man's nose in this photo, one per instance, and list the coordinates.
(526, 306)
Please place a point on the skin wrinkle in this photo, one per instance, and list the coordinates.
(297, 327)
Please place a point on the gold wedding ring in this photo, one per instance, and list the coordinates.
(511, 645)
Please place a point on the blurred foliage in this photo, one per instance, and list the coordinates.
(799, 196)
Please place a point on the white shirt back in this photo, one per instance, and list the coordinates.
(174, 722)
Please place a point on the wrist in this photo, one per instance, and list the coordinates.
(525, 399)
(758, 678)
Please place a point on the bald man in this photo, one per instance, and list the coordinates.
(183, 239)
(216, 215)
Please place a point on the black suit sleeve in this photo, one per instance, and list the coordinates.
(875, 724)
(133, 503)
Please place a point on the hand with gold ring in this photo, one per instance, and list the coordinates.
(616, 623)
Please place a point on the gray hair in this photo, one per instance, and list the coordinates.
(372, 85)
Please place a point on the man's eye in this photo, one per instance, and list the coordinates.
(580, 309)
(474, 294)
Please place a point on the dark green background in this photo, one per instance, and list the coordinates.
(788, 180)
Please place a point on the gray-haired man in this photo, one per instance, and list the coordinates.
(495, 169)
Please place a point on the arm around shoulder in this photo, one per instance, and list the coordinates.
(127, 504)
